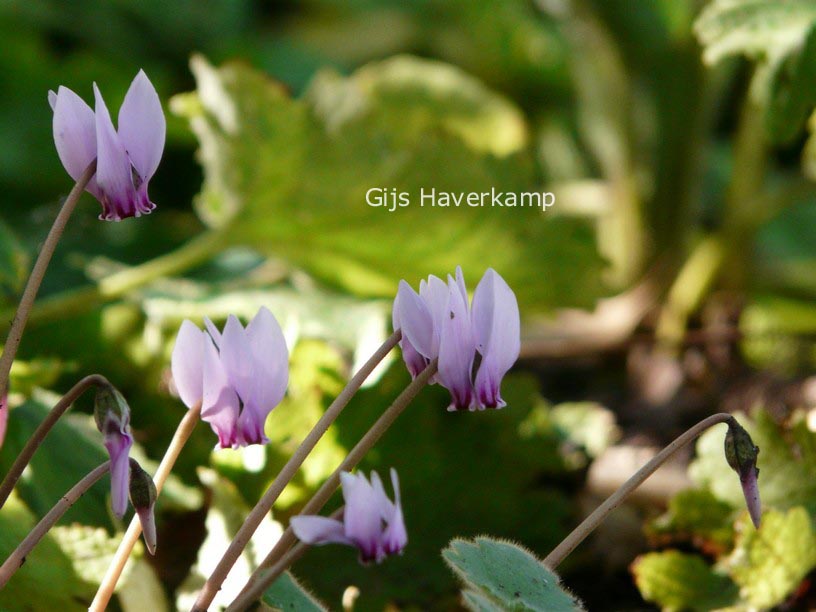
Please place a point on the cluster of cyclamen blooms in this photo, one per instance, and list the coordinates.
(125, 159)
(238, 377)
(475, 345)
(371, 522)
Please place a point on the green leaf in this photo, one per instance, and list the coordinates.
(72, 449)
(698, 516)
(287, 594)
(678, 581)
(761, 29)
(47, 580)
(496, 570)
(768, 564)
(780, 36)
(787, 462)
(290, 178)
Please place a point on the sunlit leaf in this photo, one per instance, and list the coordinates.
(677, 581)
(768, 564)
(290, 178)
(286, 593)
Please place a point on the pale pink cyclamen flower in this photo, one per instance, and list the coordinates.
(475, 346)
(125, 160)
(371, 522)
(112, 416)
(238, 376)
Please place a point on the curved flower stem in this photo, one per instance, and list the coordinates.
(242, 602)
(261, 579)
(616, 499)
(7, 486)
(108, 585)
(15, 334)
(262, 508)
(18, 556)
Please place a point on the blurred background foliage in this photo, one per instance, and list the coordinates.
(675, 135)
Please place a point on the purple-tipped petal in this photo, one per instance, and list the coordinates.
(414, 361)
(496, 329)
(750, 489)
(148, 522)
(74, 134)
(415, 320)
(187, 363)
(142, 126)
(319, 530)
(456, 350)
(118, 444)
(114, 172)
(361, 516)
(220, 404)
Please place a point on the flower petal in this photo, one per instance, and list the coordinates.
(142, 126)
(213, 331)
(361, 516)
(236, 356)
(114, 172)
(750, 489)
(456, 349)
(148, 522)
(415, 320)
(496, 328)
(74, 134)
(395, 536)
(187, 363)
(319, 530)
(414, 361)
(220, 404)
(270, 360)
(118, 445)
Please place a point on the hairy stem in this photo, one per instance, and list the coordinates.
(7, 486)
(18, 556)
(242, 602)
(18, 324)
(261, 579)
(108, 585)
(616, 499)
(262, 508)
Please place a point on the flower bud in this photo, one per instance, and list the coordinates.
(143, 498)
(741, 454)
(112, 416)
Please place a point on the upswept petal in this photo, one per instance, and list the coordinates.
(236, 356)
(435, 295)
(415, 320)
(361, 516)
(319, 530)
(142, 126)
(74, 134)
(220, 406)
(148, 521)
(114, 172)
(212, 330)
(187, 363)
(414, 361)
(456, 349)
(496, 328)
(385, 505)
(395, 536)
(271, 359)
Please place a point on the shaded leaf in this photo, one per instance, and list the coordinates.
(698, 516)
(678, 581)
(286, 593)
(497, 570)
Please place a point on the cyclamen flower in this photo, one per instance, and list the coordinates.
(371, 522)
(125, 160)
(238, 376)
(475, 346)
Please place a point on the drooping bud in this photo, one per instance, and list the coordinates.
(741, 454)
(143, 498)
(112, 416)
